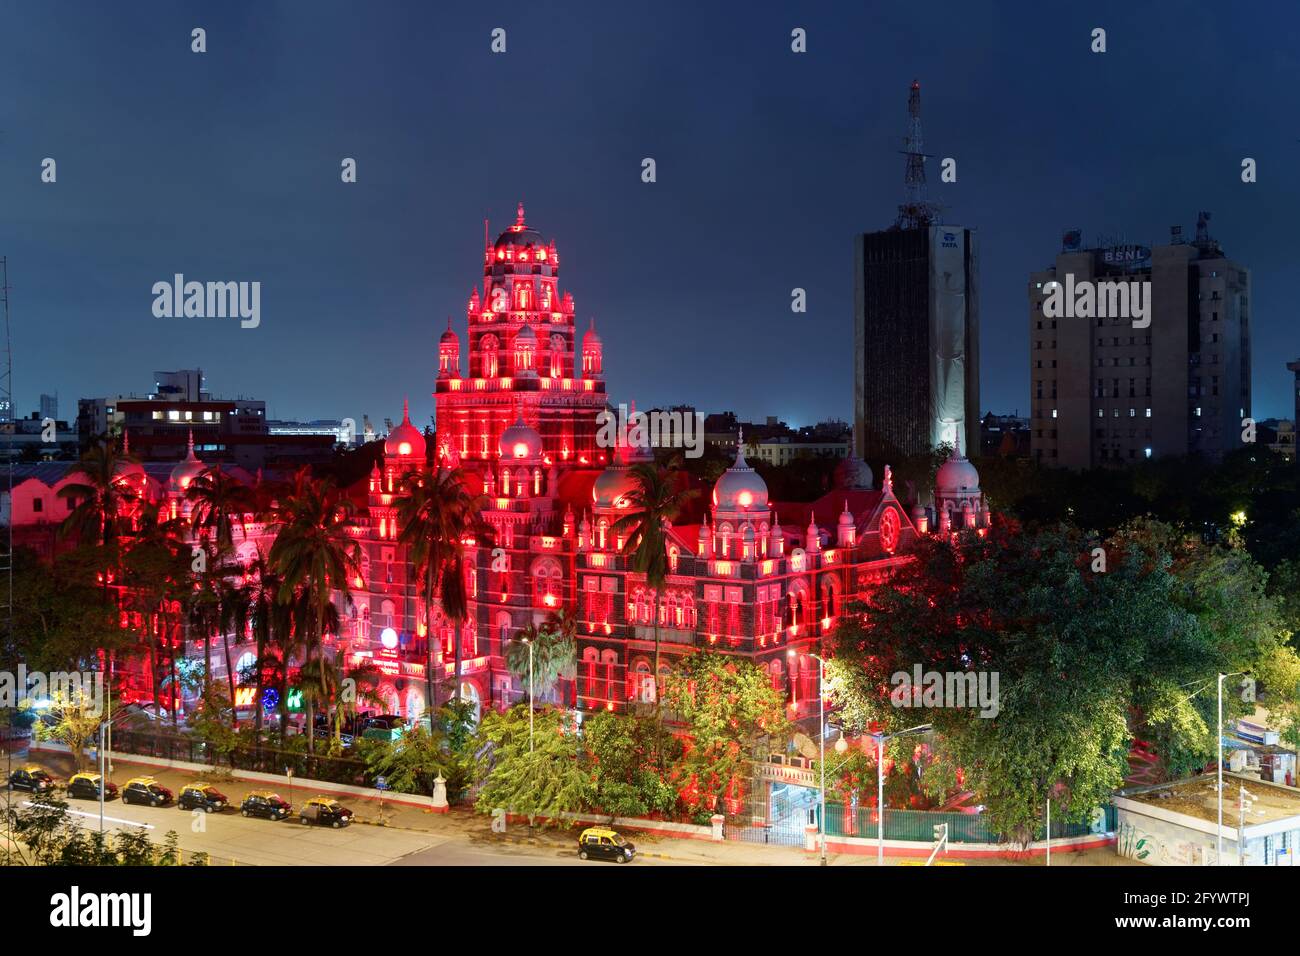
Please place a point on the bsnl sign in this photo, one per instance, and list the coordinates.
(1128, 257)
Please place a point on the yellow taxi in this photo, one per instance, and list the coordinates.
(326, 812)
(602, 843)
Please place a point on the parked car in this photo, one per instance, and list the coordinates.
(86, 786)
(202, 796)
(599, 843)
(32, 779)
(325, 812)
(146, 790)
(265, 803)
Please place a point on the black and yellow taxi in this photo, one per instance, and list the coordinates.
(146, 790)
(601, 843)
(86, 786)
(202, 796)
(265, 803)
(32, 779)
(325, 812)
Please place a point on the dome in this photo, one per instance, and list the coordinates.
(404, 441)
(740, 488)
(526, 334)
(612, 487)
(957, 476)
(187, 469)
(854, 474)
(450, 336)
(520, 440)
(589, 338)
(520, 235)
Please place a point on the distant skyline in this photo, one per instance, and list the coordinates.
(224, 166)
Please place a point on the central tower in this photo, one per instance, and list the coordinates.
(524, 360)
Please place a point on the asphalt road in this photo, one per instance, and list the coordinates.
(231, 838)
(228, 837)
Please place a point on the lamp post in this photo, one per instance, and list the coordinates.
(880, 783)
(1218, 857)
(528, 641)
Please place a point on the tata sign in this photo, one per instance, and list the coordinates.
(1127, 257)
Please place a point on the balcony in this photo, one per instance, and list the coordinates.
(667, 635)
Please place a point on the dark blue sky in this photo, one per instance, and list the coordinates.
(225, 166)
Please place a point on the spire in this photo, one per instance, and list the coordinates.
(519, 217)
(190, 444)
(126, 441)
(406, 411)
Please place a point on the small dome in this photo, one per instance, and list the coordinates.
(854, 474)
(590, 338)
(526, 334)
(740, 488)
(187, 469)
(521, 441)
(450, 336)
(404, 441)
(957, 476)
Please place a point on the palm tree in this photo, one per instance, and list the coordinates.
(656, 499)
(315, 559)
(554, 653)
(438, 515)
(272, 628)
(100, 496)
(218, 504)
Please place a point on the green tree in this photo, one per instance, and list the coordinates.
(549, 780)
(625, 763)
(729, 707)
(1085, 658)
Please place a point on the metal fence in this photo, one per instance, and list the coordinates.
(265, 759)
(918, 825)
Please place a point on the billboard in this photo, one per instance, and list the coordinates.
(948, 358)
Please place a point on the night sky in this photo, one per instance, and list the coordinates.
(225, 166)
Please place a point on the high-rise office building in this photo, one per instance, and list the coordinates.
(50, 406)
(916, 322)
(1138, 352)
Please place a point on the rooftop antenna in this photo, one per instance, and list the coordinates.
(916, 211)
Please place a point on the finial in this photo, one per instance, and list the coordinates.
(190, 443)
(519, 221)
(406, 410)
(126, 441)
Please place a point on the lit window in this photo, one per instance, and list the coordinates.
(173, 416)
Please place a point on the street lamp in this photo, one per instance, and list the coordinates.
(529, 642)
(1218, 858)
(880, 784)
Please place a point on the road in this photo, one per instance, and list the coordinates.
(230, 838)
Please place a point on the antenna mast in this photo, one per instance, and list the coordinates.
(916, 211)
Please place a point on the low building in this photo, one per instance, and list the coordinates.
(1174, 824)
